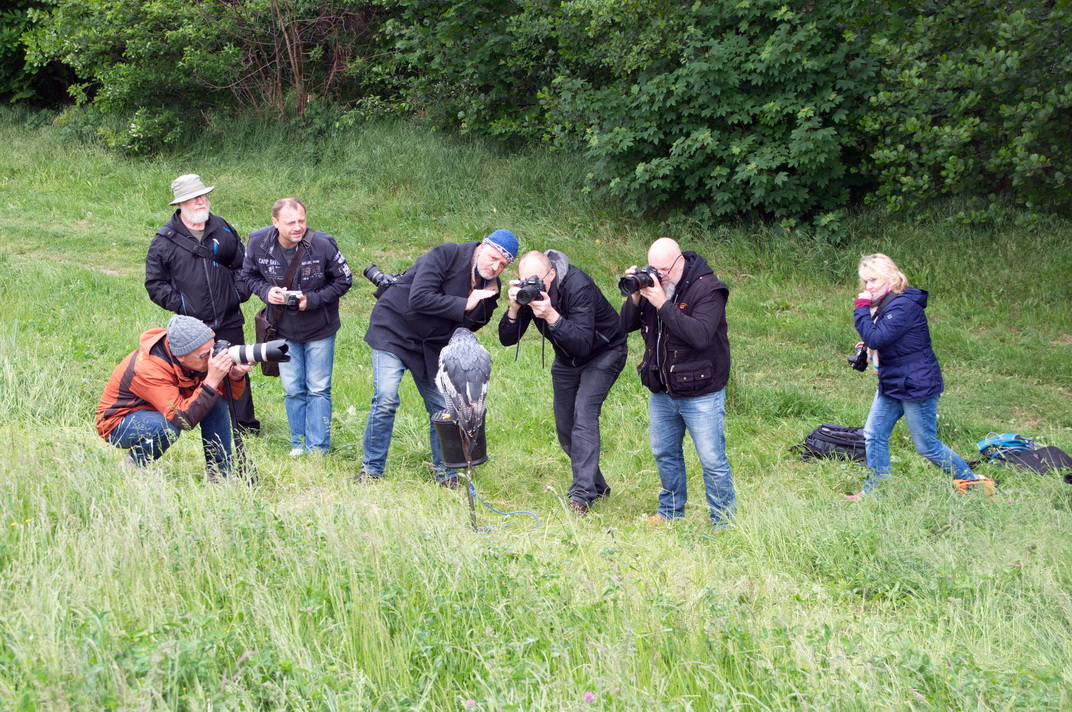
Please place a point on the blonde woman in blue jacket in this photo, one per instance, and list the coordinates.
(891, 322)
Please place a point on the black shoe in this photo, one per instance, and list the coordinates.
(365, 477)
(579, 508)
(451, 482)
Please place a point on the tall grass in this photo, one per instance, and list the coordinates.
(157, 591)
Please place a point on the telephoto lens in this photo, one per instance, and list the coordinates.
(269, 351)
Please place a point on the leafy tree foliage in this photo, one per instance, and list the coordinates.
(974, 99)
(169, 61)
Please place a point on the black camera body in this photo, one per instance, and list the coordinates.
(530, 290)
(269, 351)
(291, 299)
(858, 360)
(646, 276)
(381, 279)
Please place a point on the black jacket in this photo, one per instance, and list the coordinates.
(686, 349)
(207, 287)
(589, 324)
(416, 316)
(323, 277)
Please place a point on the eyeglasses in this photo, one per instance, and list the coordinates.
(664, 273)
(201, 356)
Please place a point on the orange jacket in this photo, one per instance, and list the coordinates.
(152, 379)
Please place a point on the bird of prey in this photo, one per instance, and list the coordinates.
(464, 371)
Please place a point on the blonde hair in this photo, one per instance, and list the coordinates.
(880, 265)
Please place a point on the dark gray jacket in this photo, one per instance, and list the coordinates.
(589, 324)
(416, 316)
(198, 279)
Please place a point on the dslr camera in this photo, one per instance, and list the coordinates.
(858, 360)
(529, 290)
(269, 351)
(646, 276)
(381, 279)
(291, 298)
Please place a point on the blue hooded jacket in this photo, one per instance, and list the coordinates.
(908, 370)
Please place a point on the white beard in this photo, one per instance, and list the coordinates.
(195, 217)
(670, 289)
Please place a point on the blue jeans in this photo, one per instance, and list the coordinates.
(703, 417)
(307, 392)
(148, 434)
(387, 370)
(921, 417)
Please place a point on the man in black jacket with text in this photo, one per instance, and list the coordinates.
(686, 365)
(570, 311)
(192, 268)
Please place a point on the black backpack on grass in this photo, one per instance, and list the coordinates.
(841, 442)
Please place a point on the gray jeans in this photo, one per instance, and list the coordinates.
(579, 395)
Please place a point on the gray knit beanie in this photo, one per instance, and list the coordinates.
(184, 334)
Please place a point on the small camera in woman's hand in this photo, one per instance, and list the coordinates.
(858, 360)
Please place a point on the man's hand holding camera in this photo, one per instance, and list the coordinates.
(291, 298)
(533, 294)
(221, 364)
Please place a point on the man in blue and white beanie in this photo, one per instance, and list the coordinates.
(450, 286)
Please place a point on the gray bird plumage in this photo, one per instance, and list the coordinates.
(464, 372)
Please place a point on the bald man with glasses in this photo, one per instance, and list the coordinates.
(686, 365)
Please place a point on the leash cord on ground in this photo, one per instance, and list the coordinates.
(489, 527)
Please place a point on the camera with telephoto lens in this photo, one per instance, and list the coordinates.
(381, 279)
(646, 276)
(269, 351)
(858, 360)
(530, 290)
(291, 299)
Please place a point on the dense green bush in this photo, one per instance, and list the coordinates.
(974, 100)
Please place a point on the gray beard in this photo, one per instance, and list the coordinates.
(670, 289)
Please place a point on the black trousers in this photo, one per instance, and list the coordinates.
(247, 420)
(579, 395)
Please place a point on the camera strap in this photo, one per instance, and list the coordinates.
(194, 248)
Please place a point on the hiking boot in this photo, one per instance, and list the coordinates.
(577, 507)
(972, 486)
(657, 519)
(451, 482)
(297, 452)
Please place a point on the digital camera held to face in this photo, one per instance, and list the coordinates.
(646, 276)
(530, 290)
(291, 298)
(858, 360)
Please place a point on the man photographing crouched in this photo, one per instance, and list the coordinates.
(170, 383)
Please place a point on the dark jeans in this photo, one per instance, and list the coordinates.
(579, 395)
(247, 420)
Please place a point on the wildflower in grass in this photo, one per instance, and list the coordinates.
(589, 696)
(470, 703)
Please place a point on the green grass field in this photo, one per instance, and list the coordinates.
(155, 590)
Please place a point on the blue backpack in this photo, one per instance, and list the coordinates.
(997, 446)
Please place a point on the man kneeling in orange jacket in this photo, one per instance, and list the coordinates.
(170, 383)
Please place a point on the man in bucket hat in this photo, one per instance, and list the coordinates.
(193, 267)
(450, 286)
